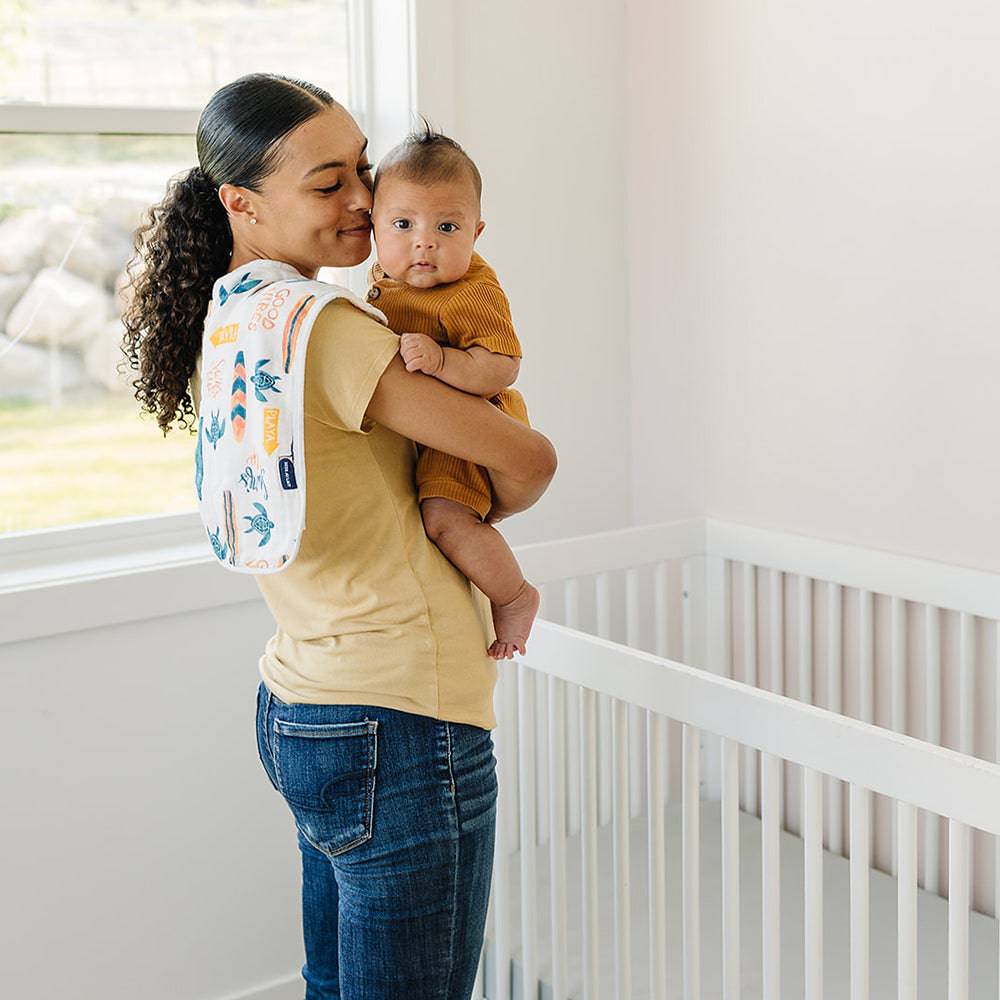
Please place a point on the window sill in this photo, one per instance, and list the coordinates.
(92, 576)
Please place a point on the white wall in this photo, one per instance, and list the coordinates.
(813, 213)
(534, 91)
(145, 854)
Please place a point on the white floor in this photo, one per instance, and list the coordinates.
(933, 921)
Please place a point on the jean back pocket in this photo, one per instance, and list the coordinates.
(326, 774)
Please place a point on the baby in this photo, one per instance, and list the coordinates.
(455, 325)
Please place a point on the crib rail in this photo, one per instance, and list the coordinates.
(786, 653)
(912, 773)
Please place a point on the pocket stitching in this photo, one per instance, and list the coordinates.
(370, 728)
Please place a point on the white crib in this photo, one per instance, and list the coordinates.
(676, 806)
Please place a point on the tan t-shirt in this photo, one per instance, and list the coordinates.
(370, 612)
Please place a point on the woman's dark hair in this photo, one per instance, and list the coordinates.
(185, 242)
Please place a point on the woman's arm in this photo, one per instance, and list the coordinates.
(521, 462)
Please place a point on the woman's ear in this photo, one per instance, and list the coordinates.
(479, 229)
(235, 202)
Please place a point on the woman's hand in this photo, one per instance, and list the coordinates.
(421, 353)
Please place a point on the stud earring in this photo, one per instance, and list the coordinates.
(253, 221)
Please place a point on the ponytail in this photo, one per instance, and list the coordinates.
(186, 243)
(180, 251)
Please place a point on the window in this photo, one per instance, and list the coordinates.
(98, 104)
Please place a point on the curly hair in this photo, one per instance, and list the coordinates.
(185, 242)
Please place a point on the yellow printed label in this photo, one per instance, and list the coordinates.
(270, 428)
(225, 334)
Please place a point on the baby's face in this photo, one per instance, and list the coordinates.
(425, 232)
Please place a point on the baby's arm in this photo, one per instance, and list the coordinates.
(475, 369)
(486, 354)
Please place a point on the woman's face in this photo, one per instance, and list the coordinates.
(313, 210)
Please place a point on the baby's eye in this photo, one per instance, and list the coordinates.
(448, 227)
(401, 223)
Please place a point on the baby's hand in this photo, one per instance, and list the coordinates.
(421, 353)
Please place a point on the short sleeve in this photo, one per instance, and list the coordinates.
(347, 354)
(479, 316)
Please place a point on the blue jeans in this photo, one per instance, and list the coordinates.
(396, 820)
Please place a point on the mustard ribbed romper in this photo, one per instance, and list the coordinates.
(470, 312)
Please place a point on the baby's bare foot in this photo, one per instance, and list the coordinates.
(512, 622)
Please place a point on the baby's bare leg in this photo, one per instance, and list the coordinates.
(484, 556)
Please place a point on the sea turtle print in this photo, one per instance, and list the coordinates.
(260, 523)
(215, 429)
(241, 286)
(218, 546)
(263, 381)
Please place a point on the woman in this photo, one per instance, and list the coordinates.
(377, 675)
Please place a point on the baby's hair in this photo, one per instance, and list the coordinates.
(428, 157)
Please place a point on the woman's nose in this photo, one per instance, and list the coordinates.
(361, 197)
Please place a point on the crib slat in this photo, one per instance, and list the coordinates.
(506, 775)
(572, 595)
(731, 981)
(622, 881)
(528, 827)
(635, 715)
(860, 911)
(557, 835)
(866, 651)
(932, 733)
(966, 741)
(906, 941)
(718, 656)
(834, 702)
(897, 628)
(691, 866)
(656, 738)
(958, 911)
(775, 632)
(750, 798)
(691, 809)
(602, 595)
(805, 640)
(541, 740)
(966, 682)
(770, 779)
(661, 598)
(812, 835)
(588, 837)
(897, 675)
(861, 832)
(657, 794)
(776, 658)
